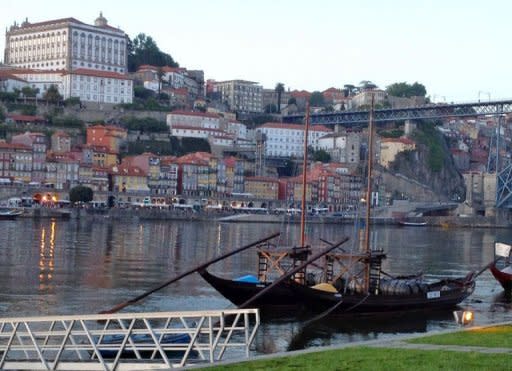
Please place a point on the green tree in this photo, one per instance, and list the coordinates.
(292, 100)
(29, 92)
(270, 108)
(350, 90)
(320, 155)
(52, 95)
(144, 50)
(367, 84)
(403, 89)
(80, 194)
(143, 93)
(317, 99)
(72, 101)
(279, 90)
(2, 114)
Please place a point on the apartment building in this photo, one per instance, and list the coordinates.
(240, 95)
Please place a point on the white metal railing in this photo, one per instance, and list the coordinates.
(125, 341)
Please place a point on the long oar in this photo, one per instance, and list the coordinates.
(285, 276)
(179, 277)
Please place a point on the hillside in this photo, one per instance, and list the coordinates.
(431, 164)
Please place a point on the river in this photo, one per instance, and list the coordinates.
(84, 266)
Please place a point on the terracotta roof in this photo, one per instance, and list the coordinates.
(4, 145)
(300, 94)
(96, 73)
(5, 75)
(53, 21)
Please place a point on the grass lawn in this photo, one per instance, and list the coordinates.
(492, 337)
(371, 359)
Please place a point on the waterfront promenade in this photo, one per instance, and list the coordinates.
(476, 348)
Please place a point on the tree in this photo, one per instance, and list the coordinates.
(350, 90)
(279, 90)
(321, 155)
(403, 89)
(80, 194)
(143, 50)
(270, 108)
(52, 95)
(160, 74)
(316, 99)
(292, 100)
(29, 92)
(367, 84)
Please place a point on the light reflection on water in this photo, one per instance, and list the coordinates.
(85, 266)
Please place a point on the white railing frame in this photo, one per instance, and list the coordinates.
(78, 341)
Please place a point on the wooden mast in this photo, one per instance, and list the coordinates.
(304, 182)
(369, 193)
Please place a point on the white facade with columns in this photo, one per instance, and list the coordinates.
(67, 44)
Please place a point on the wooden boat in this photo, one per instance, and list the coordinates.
(273, 262)
(362, 286)
(501, 267)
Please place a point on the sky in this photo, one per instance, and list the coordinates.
(458, 49)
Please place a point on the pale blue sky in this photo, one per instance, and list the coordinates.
(455, 48)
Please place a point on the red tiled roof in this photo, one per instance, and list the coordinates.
(4, 145)
(53, 21)
(96, 73)
(300, 94)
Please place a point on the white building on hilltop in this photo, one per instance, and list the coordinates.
(67, 44)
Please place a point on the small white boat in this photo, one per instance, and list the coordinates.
(10, 213)
(406, 223)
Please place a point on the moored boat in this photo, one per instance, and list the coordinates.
(501, 267)
(10, 213)
(362, 285)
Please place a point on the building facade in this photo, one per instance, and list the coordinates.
(240, 95)
(67, 44)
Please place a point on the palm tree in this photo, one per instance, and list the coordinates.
(279, 90)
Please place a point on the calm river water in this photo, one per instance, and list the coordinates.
(85, 266)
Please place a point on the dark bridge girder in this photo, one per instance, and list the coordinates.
(430, 111)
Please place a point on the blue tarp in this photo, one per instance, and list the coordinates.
(249, 278)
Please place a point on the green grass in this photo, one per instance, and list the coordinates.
(492, 337)
(371, 359)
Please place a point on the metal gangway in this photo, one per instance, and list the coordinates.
(126, 341)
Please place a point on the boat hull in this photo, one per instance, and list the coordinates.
(441, 295)
(238, 292)
(504, 278)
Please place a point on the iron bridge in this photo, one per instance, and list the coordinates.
(429, 111)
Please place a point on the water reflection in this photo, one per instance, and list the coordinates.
(85, 266)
